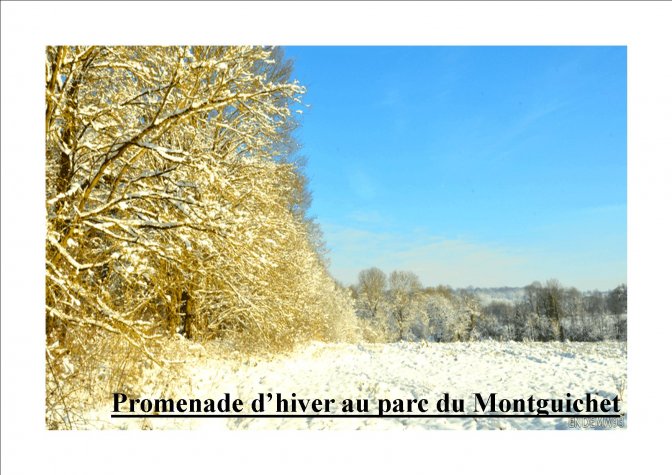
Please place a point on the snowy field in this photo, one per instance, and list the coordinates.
(396, 370)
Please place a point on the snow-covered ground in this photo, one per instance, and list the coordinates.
(396, 370)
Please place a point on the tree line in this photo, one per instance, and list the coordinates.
(398, 307)
(173, 201)
(176, 204)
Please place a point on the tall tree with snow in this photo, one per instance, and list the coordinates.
(174, 203)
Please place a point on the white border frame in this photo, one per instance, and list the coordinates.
(27, 447)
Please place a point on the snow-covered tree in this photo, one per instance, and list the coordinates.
(404, 289)
(174, 202)
(371, 291)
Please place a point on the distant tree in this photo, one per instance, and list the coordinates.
(572, 302)
(470, 316)
(504, 314)
(444, 290)
(371, 290)
(617, 303)
(439, 311)
(531, 312)
(404, 288)
(571, 306)
(593, 324)
(594, 303)
(552, 303)
(543, 311)
(522, 322)
(617, 300)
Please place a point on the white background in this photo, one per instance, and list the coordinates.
(28, 27)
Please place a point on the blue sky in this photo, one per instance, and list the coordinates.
(483, 166)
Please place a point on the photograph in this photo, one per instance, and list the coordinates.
(391, 237)
(336, 237)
